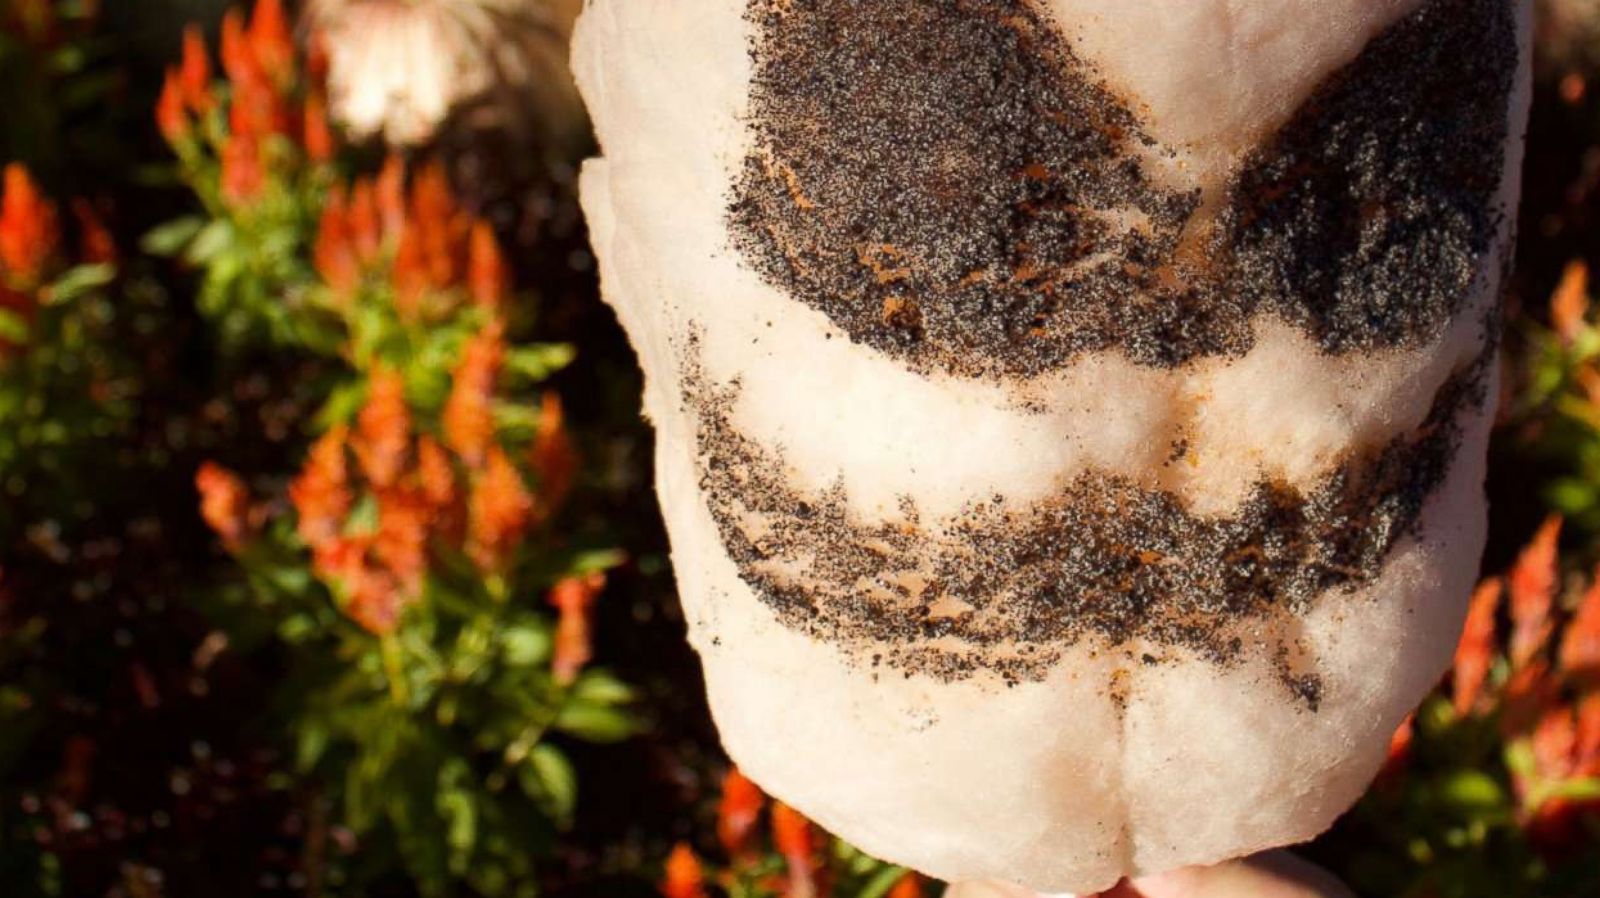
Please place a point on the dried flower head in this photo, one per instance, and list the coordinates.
(399, 68)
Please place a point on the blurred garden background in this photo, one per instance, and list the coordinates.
(329, 562)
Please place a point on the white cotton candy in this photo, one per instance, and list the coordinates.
(1066, 763)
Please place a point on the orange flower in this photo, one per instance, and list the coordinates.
(441, 227)
(29, 232)
(1532, 583)
(791, 833)
(243, 176)
(376, 602)
(1529, 693)
(435, 474)
(555, 460)
(366, 227)
(334, 253)
(1570, 303)
(1475, 652)
(684, 878)
(391, 196)
(171, 117)
(574, 598)
(499, 512)
(468, 416)
(318, 135)
(224, 503)
(401, 542)
(238, 58)
(257, 111)
(194, 74)
(738, 812)
(410, 273)
(1588, 745)
(97, 245)
(909, 886)
(486, 268)
(1399, 751)
(270, 40)
(373, 598)
(383, 429)
(1555, 743)
(1580, 644)
(321, 494)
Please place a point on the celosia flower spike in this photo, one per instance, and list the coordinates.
(270, 40)
(792, 835)
(1475, 651)
(1532, 586)
(224, 503)
(383, 428)
(1569, 305)
(321, 494)
(172, 119)
(334, 253)
(194, 73)
(487, 279)
(468, 416)
(29, 231)
(684, 878)
(499, 513)
(1580, 642)
(738, 812)
(574, 599)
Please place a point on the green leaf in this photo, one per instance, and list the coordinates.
(311, 744)
(460, 815)
(209, 242)
(169, 239)
(80, 280)
(595, 561)
(525, 646)
(547, 776)
(597, 687)
(1470, 791)
(881, 882)
(595, 723)
(342, 404)
(536, 363)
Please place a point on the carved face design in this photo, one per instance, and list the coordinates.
(967, 198)
(1071, 413)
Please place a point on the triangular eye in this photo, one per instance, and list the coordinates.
(953, 186)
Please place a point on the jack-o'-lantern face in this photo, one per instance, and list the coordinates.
(952, 187)
(1079, 394)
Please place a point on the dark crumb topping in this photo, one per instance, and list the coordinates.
(951, 185)
(1003, 587)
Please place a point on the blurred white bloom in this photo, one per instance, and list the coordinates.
(399, 68)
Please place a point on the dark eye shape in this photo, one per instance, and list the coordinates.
(952, 186)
